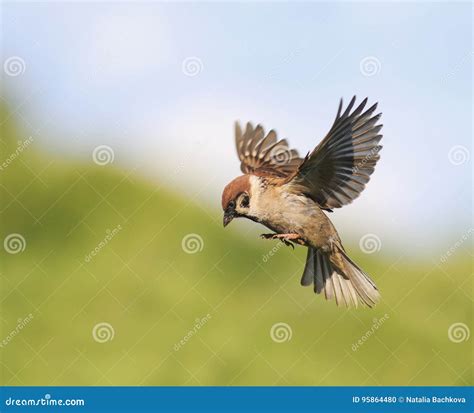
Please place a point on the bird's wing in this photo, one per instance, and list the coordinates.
(265, 155)
(337, 170)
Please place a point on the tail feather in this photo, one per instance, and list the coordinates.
(339, 277)
(308, 273)
(364, 286)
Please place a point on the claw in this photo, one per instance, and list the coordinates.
(283, 238)
(287, 243)
(267, 236)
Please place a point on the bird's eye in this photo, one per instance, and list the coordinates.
(245, 201)
(231, 204)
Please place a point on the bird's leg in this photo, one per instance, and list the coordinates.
(287, 239)
(268, 236)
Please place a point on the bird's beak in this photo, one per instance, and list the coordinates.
(229, 215)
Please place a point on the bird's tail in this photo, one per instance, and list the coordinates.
(339, 277)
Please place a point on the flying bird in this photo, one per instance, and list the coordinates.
(290, 195)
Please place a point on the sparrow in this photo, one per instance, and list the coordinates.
(291, 196)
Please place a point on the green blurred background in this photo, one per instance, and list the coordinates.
(125, 268)
(150, 290)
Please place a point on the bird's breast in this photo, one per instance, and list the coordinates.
(287, 213)
(297, 214)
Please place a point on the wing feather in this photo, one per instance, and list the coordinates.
(337, 170)
(265, 154)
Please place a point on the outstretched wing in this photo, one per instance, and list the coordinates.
(337, 170)
(260, 154)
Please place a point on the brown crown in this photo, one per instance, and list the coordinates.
(234, 189)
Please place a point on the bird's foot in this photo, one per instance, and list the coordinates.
(287, 239)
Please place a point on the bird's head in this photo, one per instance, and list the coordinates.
(236, 199)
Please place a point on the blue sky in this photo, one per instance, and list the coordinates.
(112, 73)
